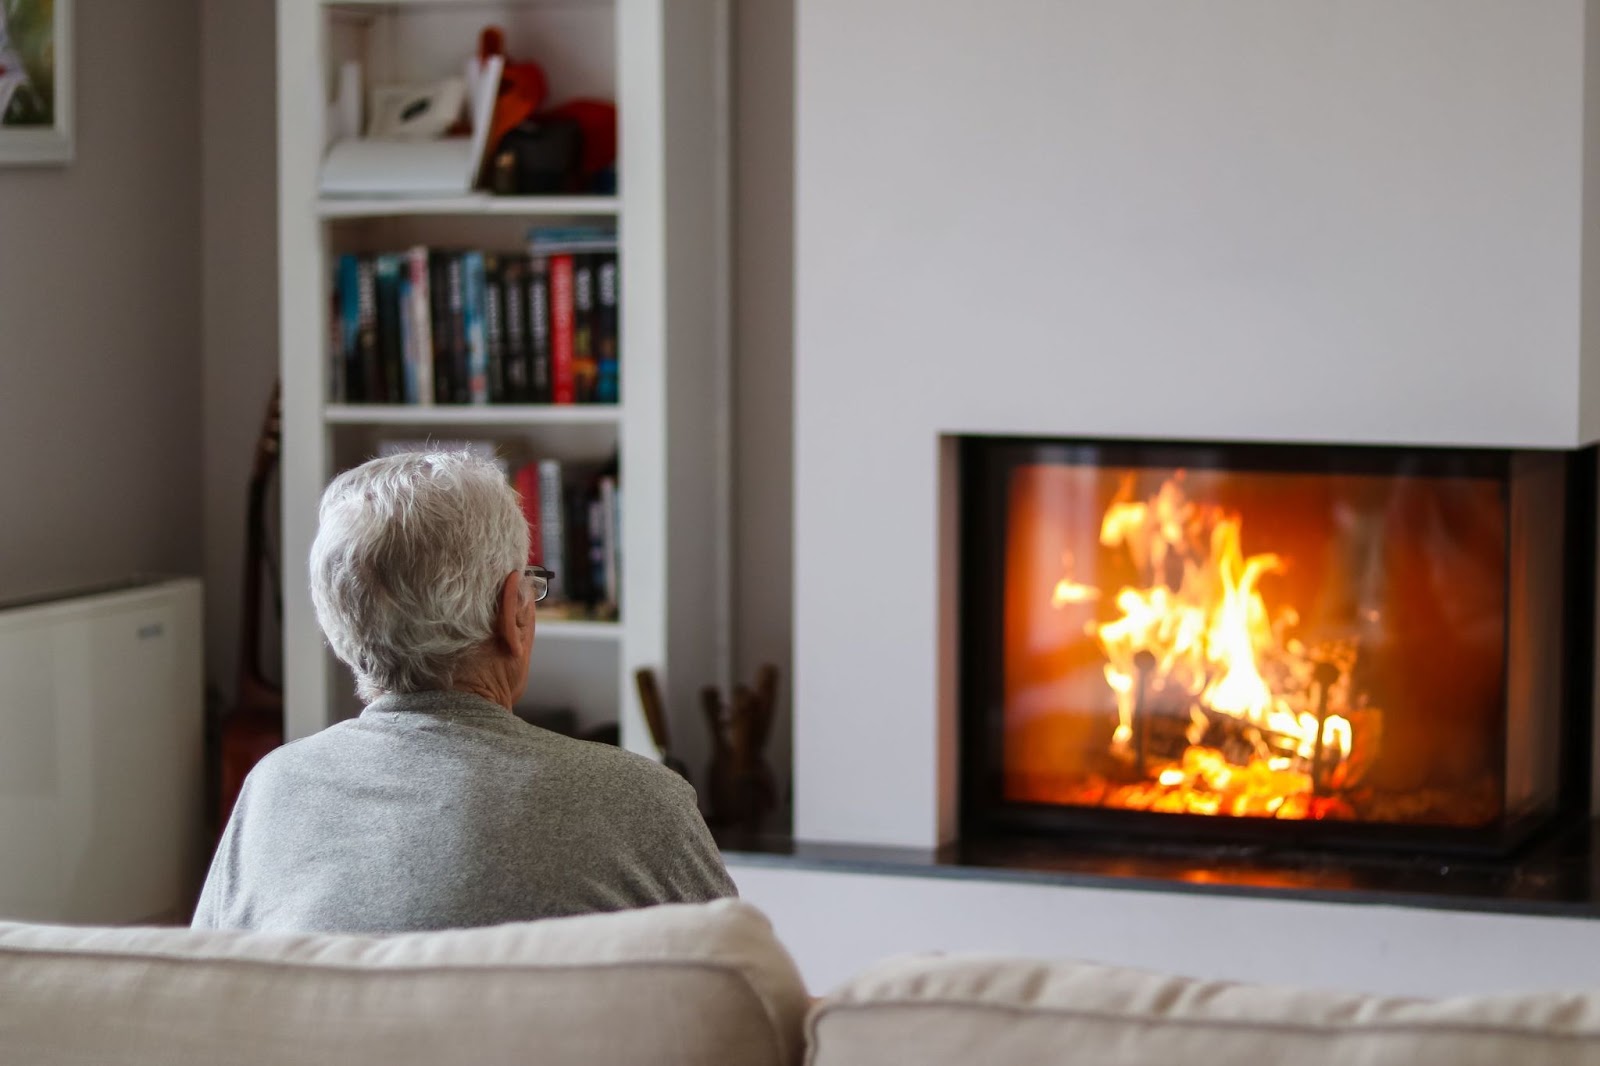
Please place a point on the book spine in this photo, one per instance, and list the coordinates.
(473, 281)
(392, 360)
(526, 482)
(514, 300)
(580, 588)
(494, 326)
(460, 377)
(335, 342)
(616, 542)
(539, 390)
(552, 525)
(562, 386)
(585, 369)
(610, 556)
(419, 313)
(349, 349)
(408, 337)
(371, 389)
(597, 549)
(608, 384)
(439, 312)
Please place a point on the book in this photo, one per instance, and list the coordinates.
(474, 285)
(349, 374)
(608, 369)
(552, 525)
(597, 548)
(514, 304)
(548, 240)
(460, 373)
(408, 337)
(562, 384)
(579, 563)
(439, 318)
(585, 370)
(610, 539)
(526, 482)
(420, 315)
(368, 361)
(494, 327)
(539, 385)
(391, 369)
(335, 342)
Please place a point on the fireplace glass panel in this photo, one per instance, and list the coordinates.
(1249, 633)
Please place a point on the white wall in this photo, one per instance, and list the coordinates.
(1246, 219)
(99, 317)
(837, 924)
(239, 295)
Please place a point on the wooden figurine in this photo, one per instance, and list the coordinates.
(742, 789)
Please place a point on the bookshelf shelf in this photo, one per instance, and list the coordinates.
(477, 204)
(571, 629)
(471, 415)
(358, 6)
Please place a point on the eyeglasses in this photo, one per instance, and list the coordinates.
(541, 578)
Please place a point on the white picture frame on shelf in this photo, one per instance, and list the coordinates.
(36, 76)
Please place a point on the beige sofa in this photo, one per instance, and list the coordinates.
(694, 985)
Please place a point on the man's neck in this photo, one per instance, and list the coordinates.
(487, 689)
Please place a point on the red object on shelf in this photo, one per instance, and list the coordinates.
(598, 121)
(523, 87)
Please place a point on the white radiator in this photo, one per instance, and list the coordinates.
(101, 755)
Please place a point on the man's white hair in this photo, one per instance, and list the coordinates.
(407, 566)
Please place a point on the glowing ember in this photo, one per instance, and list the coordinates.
(1219, 709)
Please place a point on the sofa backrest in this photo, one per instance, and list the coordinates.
(962, 1010)
(681, 985)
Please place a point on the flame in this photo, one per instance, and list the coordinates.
(1068, 591)
(1264, 718)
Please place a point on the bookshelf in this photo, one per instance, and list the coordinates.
(668, 77)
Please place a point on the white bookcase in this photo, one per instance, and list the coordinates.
(665, 64)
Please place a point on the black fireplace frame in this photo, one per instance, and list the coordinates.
(985, 462)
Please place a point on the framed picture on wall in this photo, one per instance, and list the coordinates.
(35, 81)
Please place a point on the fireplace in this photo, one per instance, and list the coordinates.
(1286, 644)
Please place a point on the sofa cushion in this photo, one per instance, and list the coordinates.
(688, 984)
(1022, 1013)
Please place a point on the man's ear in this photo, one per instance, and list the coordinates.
(508, 619)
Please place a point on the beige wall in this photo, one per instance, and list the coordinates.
(99, 317)
(763, 337)
(239, 256)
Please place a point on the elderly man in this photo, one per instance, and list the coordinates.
(437, 807)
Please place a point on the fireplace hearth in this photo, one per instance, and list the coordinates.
(1323, 646)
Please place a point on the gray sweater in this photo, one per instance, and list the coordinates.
(440, 810)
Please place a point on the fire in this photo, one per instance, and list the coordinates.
(1069, 591)
(1219, 709)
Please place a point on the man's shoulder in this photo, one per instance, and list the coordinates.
(616, 765)
(319, 748)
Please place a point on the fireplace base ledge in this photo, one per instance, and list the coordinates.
(1558, 876)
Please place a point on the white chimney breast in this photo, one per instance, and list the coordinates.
(1354, 221)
